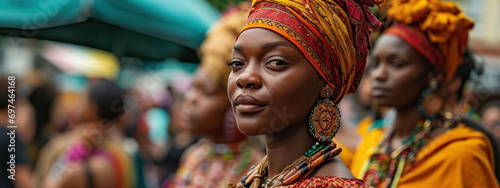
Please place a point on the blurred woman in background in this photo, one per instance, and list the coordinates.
(95, 157)
(223, 155)
(414, 61)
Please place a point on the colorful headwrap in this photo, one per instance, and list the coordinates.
(437, 30)
(216, 49)
(334, 35)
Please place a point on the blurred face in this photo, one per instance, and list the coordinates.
(491, 120)
(365, 90)
(399, 73)
(272, 86)
(205, 105)
(177, 123)
(86, 109)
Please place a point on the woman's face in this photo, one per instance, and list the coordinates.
(272, 85)
(87, 109)
(204, 106)
(399, 74)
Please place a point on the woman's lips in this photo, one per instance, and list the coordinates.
(379, 92)
(248, 104)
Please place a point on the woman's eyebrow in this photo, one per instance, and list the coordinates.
(238, 48)
(276, 44)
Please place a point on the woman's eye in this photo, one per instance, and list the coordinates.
(373, 64)
(235, 63)
(398, 64)
(208, 93)
(276, 64)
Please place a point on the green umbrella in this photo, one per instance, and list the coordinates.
(151, 30)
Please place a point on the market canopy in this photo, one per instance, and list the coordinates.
(149, 29)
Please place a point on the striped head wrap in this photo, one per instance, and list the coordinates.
(334, 35)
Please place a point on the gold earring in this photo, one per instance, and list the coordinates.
(430, 104)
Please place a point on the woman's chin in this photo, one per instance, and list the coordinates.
(252, 130)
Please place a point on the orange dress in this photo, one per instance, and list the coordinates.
(461, 157)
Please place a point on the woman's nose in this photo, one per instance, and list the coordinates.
(249, 78)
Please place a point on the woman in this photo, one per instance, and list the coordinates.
(94, 156)
(415, 59)
(292, 63)
(223, 155)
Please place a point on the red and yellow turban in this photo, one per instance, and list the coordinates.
(334, 35)
(437, 30)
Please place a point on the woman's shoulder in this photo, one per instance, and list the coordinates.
(330, 181)
(462, 154)
(458, 143)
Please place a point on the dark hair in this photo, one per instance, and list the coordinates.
(491, 104)
(3, 93)
(108, 97)
(464, 70)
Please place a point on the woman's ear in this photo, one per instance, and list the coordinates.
(326, 89)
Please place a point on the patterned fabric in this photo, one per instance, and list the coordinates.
(444, 24)
(207, 164)
(333, 35)
(330, 182)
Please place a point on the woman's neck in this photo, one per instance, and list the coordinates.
(220, 138)
(404, 124)
(96, 132)
(284, 147)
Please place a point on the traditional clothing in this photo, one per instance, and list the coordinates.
(441, 152)
(334, 36)
(330, 182)
(461, 157)
(207, 164)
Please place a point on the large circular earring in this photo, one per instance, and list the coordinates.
(430, 104)
(324, 120)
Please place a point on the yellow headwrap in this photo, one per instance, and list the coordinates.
(443, 23)
(216, 49)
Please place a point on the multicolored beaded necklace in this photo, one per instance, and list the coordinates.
(317, 155)
(385, 166)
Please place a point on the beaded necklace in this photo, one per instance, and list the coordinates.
(385, 166)
(317, 155)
